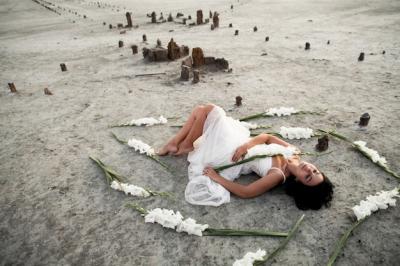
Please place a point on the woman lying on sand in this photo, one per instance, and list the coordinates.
(213, 139)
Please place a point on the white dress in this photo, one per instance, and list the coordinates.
(222, 135)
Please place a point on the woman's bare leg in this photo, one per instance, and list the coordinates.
(172, 145)
(196, 130)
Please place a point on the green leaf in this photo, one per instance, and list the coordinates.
(239, 232)
(283, 243)
(342, 242)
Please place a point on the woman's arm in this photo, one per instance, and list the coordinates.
(251, 190)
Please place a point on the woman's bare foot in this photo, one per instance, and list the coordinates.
(183, 149)
(170, 148)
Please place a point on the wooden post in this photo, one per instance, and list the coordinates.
(12, 87)
(361, 57)
(153, 17)
(185, 72)
(63, 67)
(159, 42)
(364, 119)
(255, 28)
(199, 16)
(267, 38)
(238, 100)
(129, 19)
(230, 25)
(308, 46)
(120, 44)
(47, 91)
(134, 49)
(196, 76)
(144, 38)
(236, 32)
(323, 143)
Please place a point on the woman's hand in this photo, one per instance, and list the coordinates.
(211, 173)
(239, 153)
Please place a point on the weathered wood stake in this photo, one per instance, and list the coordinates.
(308, 46)
(134, 49)
(361, 57)
(185, 71)
(144, 37)
(364, 119)
(196, 76)
(129, 19)
(120, 44)
(238, 100)
(12, 87)
(63, 67)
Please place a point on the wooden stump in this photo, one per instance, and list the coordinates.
(129, 19)
(189, 17)
(255, 28)
(170, 18)
(199, 17)
(212, 26)
(364, 119)
(110, 26)
(267, 38)
(198, 57)
(238, 101)
(236, 32)
(12, 87)
(230, 25)
(210, 15)
(216, 20)
(134, 49)
(185, 71)
(328, 42)
(120, 44)
(308, 46)
(323, 143)
(63, 67)
(47, 91)
(196, 76)
(221, 63)
(158, 42)
(144, 37)
(104, 23)
(174, 51)
(153, 17)
(361, 57)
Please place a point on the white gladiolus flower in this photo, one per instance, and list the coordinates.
(374, 155)
(250, 258)
(191, 227)
(281, 111)
(130, 189)
(271, 150)
(141, 147)
(249, 125)
(169, 219)
(382, 200)
(296, 132)
(147, 121)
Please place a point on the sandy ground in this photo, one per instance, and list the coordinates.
(56, 208)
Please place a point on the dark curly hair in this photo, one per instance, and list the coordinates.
(310, 197)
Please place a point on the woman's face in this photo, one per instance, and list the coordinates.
(306, 173)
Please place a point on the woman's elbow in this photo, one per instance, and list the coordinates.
(245, 194)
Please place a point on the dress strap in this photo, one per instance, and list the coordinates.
(280, 171)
